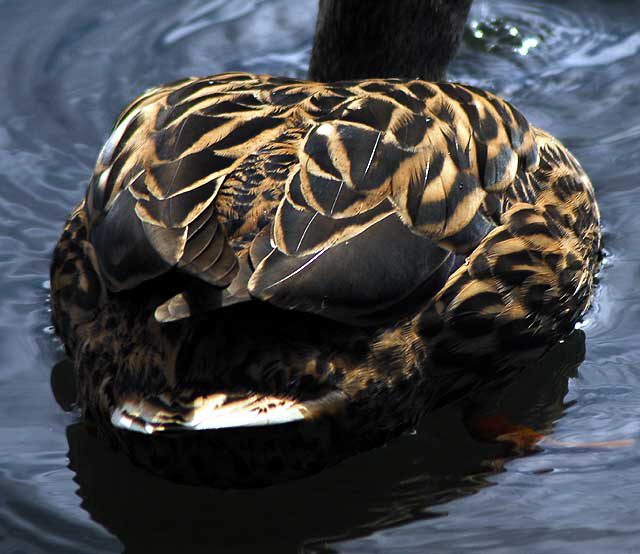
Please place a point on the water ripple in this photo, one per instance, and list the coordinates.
(570, 65)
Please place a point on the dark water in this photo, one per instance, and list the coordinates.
(573, 66)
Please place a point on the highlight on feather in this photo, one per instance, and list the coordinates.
(218, 411)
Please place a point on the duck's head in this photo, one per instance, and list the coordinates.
(379, 38)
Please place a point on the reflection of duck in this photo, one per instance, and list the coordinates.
(406, 239)
(381, 488)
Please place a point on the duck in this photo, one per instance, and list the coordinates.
(257, 252)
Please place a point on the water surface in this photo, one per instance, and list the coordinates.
(67, 68)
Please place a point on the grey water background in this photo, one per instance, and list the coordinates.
(66, 69)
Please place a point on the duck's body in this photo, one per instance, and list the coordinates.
(408, 238)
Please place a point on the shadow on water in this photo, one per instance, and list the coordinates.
(452, 454)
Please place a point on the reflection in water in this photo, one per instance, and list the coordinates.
(449, 456)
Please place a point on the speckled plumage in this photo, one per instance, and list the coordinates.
(406, 238)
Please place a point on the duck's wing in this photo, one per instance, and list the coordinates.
(386, 193)
(153, 201)
(349, 200)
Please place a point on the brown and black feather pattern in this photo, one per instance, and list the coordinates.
(363, 191)
(432, 216)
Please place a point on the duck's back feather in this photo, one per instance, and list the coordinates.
(345, 199)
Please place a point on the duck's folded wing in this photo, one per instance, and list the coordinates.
(378, 186)
(386, 195)
(153, 197)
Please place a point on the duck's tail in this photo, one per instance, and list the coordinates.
(166, 412)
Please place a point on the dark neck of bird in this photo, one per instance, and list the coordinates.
(357, 39)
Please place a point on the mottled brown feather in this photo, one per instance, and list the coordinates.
(247, 150)
(438, 234)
